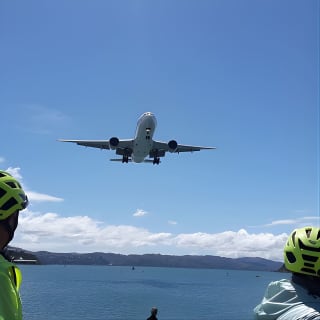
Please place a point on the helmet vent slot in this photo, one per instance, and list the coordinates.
(11, 184)
(310, 265)
(309, 258)
(9, 204)
(307, 270)
(304, 247)
(308, 232)
(291, 257)
(294, 238)
(2, 192)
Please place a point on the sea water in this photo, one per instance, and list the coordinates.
(54, 292)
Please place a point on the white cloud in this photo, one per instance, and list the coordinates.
(281, 222)
(15, 172)
(40, 197)
(236, 244)
(50, 231)
(303, 220)
(172, 222)
(140, 213)
(32, 195)
(53, 232)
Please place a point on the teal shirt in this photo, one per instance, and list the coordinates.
(10, 280)
(285, 301)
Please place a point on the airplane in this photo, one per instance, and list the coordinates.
(141, 146)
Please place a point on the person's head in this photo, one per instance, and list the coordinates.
(154, 311)
(12, 200)
(302, 251)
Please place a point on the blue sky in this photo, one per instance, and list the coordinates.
(239, 75)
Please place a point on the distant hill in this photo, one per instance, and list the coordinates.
(146, 260)
(18, 255)
(157, 260)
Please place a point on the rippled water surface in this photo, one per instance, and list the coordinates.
(108, 292)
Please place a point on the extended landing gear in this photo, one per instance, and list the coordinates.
(156, 160)
(125, 159)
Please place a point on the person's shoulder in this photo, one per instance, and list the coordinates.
(277, 286)
(283, 284)
(279, 296)
(5, 264)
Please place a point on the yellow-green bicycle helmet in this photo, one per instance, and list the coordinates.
(12, 196)
(302, 251)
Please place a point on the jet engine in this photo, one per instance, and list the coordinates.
(113, 143)
(173, 145)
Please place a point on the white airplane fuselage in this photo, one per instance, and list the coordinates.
(143, 137)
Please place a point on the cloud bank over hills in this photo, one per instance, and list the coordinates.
(55, 232)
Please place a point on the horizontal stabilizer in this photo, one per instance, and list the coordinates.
(119, 160)
(130, 160)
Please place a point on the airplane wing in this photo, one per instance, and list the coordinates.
(124, 146)
(101, 144)
(185, 148)
(163, 147)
